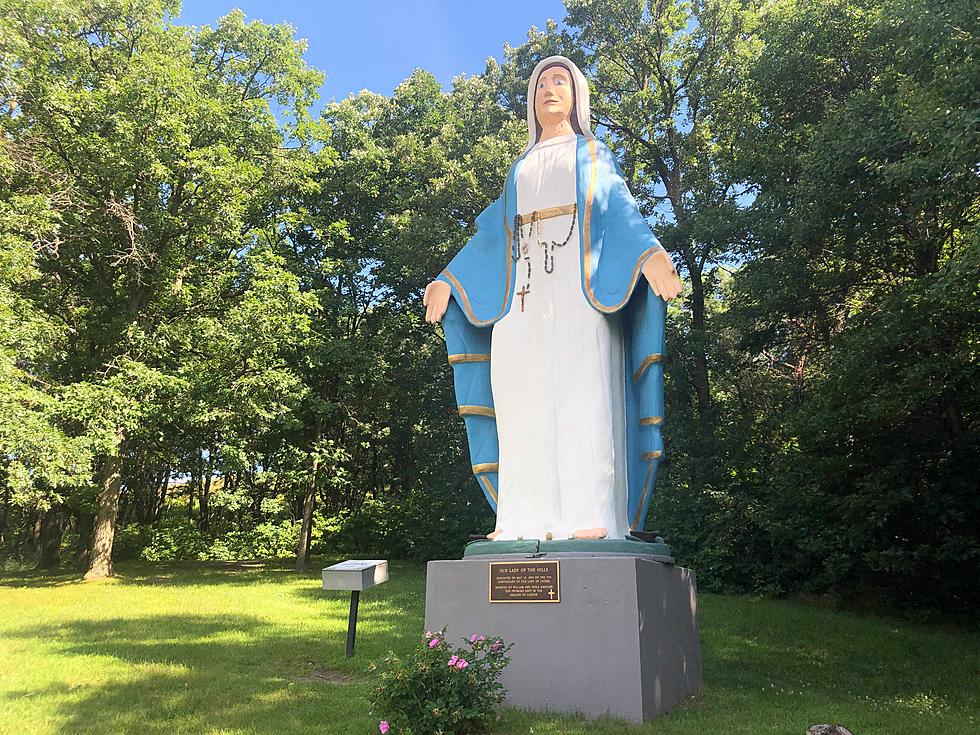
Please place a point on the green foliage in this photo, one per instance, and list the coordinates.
(441, 689)
(425, 525)
(145, 169)
(266, 541)
(178, 543)
(185, 542)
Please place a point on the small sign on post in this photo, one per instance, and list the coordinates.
(355, 575)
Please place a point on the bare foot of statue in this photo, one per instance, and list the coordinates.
(493, 536)
(590, 533)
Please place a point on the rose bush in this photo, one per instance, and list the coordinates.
(441, 690)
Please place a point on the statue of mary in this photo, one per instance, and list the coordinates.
(555, 340)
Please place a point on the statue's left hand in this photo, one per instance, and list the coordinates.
(436, 301)
(662, 276)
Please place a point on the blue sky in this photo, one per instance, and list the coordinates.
(375, 44)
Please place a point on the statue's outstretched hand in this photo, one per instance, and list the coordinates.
(436, 300)
(662, 276)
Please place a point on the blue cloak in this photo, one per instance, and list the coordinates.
(614, 243)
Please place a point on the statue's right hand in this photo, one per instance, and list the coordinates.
(436, 300)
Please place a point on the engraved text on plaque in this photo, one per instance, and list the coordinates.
(524, 581)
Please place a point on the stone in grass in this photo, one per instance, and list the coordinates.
(828, 730)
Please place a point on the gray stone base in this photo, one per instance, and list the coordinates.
(622, 642)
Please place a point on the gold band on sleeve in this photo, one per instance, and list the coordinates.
(477, 411)
(468, 357)
(651, 420)
(485, 467)
(647, 362)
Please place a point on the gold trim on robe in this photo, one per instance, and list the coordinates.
(651, 420)
(647, 362)
(643, 498)
(477, 411)
(468, 357)
(587, 242)
(655, 454)
(587, 247)
(484, 467)
(485, 481)
(508, 258)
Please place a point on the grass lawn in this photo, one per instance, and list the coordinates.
(214, 648)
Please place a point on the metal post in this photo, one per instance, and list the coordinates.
(355, 597)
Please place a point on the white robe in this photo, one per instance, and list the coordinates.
(557, 379)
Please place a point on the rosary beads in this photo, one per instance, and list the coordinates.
(547, 249)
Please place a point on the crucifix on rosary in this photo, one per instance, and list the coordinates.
(524, 292)
(520, 248)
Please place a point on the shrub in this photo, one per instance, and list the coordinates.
(441, 689)
(129, 541)
(177, 543)
(419, 525)
(267, 540)
(186, 542)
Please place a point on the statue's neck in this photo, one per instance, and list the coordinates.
(553, 131)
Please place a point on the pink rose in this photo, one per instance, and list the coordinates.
(473, 638)
(496, 646)
(461, 664)
(453, 660)
(433, 643)
(428, 634)
(383, 726)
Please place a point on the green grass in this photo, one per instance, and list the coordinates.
(217, 648)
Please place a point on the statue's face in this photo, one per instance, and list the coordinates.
(553, 96)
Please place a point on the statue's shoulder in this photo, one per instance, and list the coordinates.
(609, 168)
(604, 154)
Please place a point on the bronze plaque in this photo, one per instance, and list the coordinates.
(524, 581)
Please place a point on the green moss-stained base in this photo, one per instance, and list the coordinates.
(625, 546)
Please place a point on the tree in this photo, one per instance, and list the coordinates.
(166, 159)
(39, 460)
(398, 187)
(857, 310)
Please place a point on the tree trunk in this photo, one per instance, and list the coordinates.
(257, 494)
(148, 507)
(701, 384)
(85, 523)
(205, 499)
(191, 491)
(34, 531)
(52, 528)
(302, 555)
(165, 485)
(4, 511)
(303, 547)
(110, 482)
(126, 502)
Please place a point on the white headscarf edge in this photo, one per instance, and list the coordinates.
(581, 97)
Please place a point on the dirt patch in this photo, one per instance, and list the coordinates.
(324, 676)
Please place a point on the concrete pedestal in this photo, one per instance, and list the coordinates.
(622, 642)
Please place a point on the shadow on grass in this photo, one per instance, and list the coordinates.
(779, 666)
(791, 651)
(192, 673)
(774, 667)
